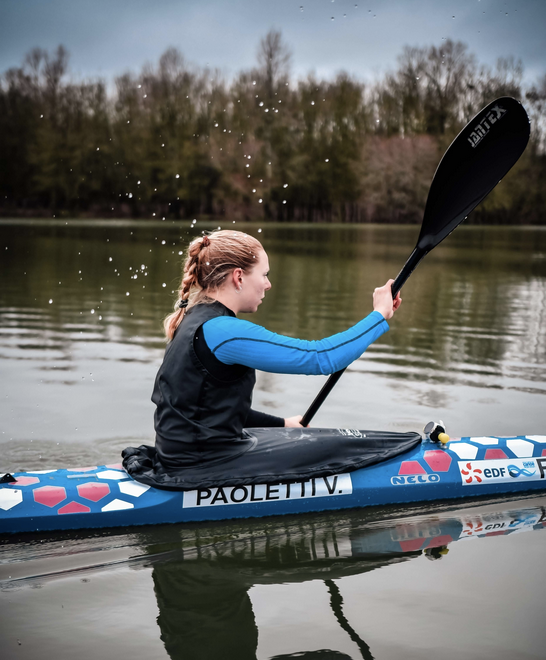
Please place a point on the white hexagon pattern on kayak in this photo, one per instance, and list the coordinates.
(463, 450)
(10, 497)
(521, 448)
(118, 505)
(537, 438)
(486, 441)
(112, 474)
(133, 488)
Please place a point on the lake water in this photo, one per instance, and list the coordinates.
(81, 306)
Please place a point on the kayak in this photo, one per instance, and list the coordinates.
(107, 496)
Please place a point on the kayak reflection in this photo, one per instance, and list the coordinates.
(202, 580)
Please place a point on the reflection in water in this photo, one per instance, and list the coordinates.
(336, 603)
(204, 613)
(202, 586)
(205, 576)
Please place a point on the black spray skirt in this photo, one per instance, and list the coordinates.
(275, 455)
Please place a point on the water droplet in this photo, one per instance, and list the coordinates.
(253, 82)
(312, 103)
(332, 18)
(301, 7)
(177, 176)
(109, 258)
(127, 293)
(261, 103)
(162, 242)
(180, 252)
(92, 311)
(259, 231)
(163, 285)
(129, 195)
(285, 185)
(50, 300)
(260, 200)
(284, 201)
(326, 160)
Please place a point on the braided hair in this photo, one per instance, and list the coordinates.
(209, 261)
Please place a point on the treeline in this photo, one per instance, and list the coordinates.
(179, 141)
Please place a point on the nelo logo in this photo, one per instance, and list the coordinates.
(403, 480)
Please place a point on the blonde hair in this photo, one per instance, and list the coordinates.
(210, 259)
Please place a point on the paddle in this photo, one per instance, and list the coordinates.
(477, 159)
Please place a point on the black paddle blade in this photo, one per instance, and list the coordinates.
(477, 159)
(475, 162)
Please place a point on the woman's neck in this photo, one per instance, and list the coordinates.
(227, 298)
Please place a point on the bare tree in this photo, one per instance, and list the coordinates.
(274, 58)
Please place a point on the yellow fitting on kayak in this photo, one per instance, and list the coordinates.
(443, 438)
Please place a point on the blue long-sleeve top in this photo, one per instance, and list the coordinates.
(235, 341)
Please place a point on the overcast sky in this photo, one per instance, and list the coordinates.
(108, 37)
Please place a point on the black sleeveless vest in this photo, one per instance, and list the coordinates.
(202, 404)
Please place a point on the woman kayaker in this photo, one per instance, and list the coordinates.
(203, 389)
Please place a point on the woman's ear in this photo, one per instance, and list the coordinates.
(237, 277)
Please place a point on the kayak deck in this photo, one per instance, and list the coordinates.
(106, 496)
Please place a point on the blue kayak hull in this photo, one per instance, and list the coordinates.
(106, 496)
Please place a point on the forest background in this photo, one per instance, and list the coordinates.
(180, 141)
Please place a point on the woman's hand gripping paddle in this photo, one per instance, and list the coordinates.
(477, 159)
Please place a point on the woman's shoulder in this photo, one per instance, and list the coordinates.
(228, 323)
(223, 328)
